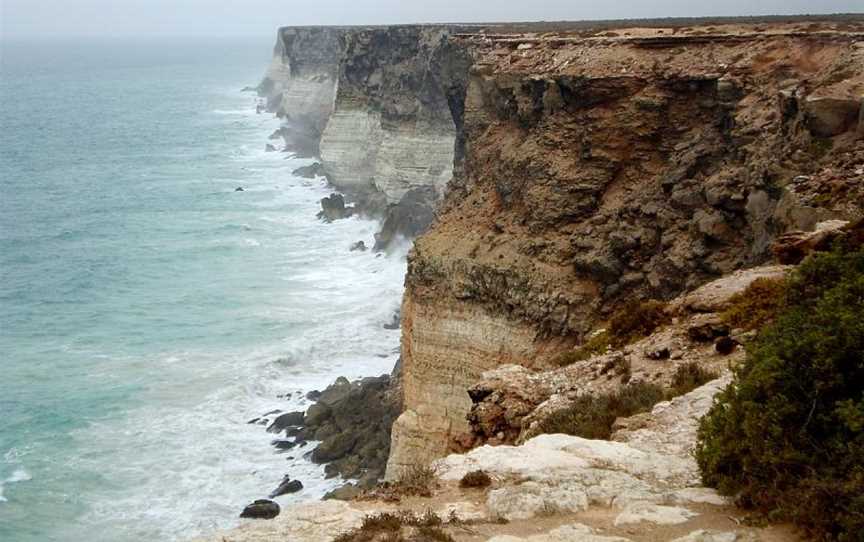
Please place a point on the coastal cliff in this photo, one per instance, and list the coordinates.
(572, 168)
(635, 164)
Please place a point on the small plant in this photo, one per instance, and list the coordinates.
(592, 416)
(398, 527)
(475, 479)
(636, 320)
(687, 378)
(417, 480)
(757, 305)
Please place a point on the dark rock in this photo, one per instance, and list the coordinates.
(253, 421)
(310, 172)
(317, 414)
(725, 345)
(409, 218)
(359, 246)
(334, 447)
(239, 189)
(287, 486)
(707, 332)
(659, 353)
(313, 395)
(283, 422)
(261, 509)
(828, 117)
(395, 322)
(285, 445)
(345, 493)
(333, 208)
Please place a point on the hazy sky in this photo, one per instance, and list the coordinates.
(261, 17)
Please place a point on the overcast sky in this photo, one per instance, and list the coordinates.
(43, 18)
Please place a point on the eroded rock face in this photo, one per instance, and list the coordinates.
(589, 172)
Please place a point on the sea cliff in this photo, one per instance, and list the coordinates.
(551, 174)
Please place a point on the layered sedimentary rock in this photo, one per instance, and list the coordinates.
(376, 105)
(300, 84)
(594, 169)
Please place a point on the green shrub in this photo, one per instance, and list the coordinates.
(687, 378)
(787, 436)
(636, 320)
(757, 305)
(592, 416)
(477, 479)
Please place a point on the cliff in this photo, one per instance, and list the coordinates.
(572, 167)
(629, 164)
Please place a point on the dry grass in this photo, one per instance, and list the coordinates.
(757, 305)
(398, 527)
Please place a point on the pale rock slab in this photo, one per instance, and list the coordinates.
(568, 533)
(715, 296)
(653, 513)
(532, 499)
(712, 536)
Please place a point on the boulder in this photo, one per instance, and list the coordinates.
(283, 422)
(791, 248)
(333, 208)
(345, 493)
(654, 513)
(286, 487)
(359, 246)
(409, 218)
(261, 509)
(830, 116)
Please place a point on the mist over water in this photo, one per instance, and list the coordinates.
(147, 310)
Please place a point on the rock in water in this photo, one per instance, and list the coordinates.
(239, 189)
(287, 486)
(310, 172)
(333, 208)
(359, 246)
(283, 422)
(261, 509)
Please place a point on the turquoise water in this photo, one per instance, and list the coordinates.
(147, 310)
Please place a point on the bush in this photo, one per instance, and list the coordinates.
(477, 479)
(687, 378)
(757, 305)
(592, 416)
(636, 320)
(787, 436)
(398, 527)
(417, 480)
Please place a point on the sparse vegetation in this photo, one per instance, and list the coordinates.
(687, 378)
(757, 305)
(475, 479)
(417, 480)
(592, 416)
(634, 321)
(787, 436)
(398, 527)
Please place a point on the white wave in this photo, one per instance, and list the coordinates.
(19, 475)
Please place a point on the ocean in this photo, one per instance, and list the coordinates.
(148, 310)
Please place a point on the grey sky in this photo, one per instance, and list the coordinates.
(261, 17)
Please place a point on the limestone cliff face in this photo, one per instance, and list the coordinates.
(300, 84)
(591, 170)
(376, 105)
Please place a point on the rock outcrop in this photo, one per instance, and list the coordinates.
(591, 170)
